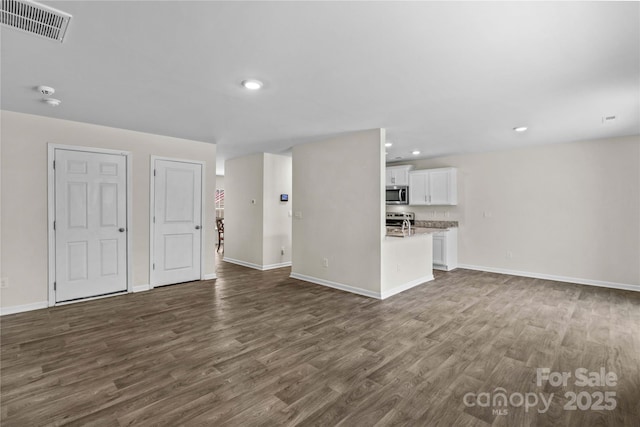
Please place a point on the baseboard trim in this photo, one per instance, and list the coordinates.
(22, 308)
(406, 286)
(274, 266)
(242, 263)
(336, 285)
(141, 288)
(576, 280)
(256, 266)
(211, 276)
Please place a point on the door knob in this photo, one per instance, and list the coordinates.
(121, 230)
(197, 227)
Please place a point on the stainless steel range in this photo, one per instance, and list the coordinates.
(397, 218)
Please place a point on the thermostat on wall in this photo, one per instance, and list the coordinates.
(284, 197)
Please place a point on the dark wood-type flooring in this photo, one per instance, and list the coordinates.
(260, 348)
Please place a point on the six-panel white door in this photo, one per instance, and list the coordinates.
(90, 224)
(177, 227)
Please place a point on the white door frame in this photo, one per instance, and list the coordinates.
(51, 209)
(152, 206)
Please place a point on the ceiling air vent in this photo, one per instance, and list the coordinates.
(35, 18)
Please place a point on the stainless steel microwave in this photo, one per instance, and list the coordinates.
(397, 195)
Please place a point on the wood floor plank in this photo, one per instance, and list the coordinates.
(332, 414)
(259, 348)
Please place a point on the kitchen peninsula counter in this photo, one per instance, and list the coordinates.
(396, 232)
(407, 261)
(436, 224)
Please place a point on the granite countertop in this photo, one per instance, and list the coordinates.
(415, 231)
(437, 224)
(421, 227)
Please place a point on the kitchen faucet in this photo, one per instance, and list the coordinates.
(406, 223)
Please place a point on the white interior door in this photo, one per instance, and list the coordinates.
(90, 224)
(177, 216)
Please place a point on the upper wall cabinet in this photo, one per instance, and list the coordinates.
(397, 175)
(433, 187)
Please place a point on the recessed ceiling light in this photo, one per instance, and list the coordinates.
(388, 144)
(252, 84)
(52, 101)
(415, 152)
(520, 128)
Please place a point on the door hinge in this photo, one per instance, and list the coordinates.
(154, 219)
(55, 286)
(54, 226)
(154, 172)
(54, 164)
(154, 266)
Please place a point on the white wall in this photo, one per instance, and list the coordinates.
(243, 198)
(338, 187)
(277, 222)
(1, 276)
(24, 194)
(570, 210)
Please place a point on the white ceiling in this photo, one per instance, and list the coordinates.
(441, 77)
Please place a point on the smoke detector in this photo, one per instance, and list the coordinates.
(35, 18)
(46, 90)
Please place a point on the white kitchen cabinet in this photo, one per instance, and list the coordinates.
(439, 255)
(397, 175)
(433, 187)
(445, 249)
